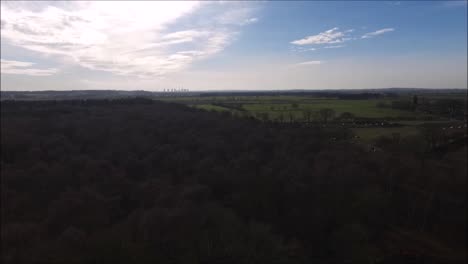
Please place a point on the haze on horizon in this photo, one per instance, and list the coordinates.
(227, 45)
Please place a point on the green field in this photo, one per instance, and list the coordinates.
(372, 133)
(360, 108)
(275, 106)
(210, 107)
(303, 108)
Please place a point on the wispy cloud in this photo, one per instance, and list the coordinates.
(24, 68)
(378, 32)
(124, 38)
(334, 36)
(235, 13)
(250, 20)
(328, 37)
(309, 63)
(334, 47)
(300, 49)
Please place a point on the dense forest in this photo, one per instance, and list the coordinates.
(143, 181)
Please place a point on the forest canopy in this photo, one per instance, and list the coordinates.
(143, 181)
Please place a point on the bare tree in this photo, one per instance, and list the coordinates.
(307, 115)
(327, 114)
(281, 117)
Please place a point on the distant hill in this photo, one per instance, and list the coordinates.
(74, 94)
(112, 94)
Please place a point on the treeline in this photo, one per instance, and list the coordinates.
(139, 181)
(72, 95)
(338, 95)
(445, 107)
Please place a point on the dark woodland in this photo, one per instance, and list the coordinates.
(143, 181)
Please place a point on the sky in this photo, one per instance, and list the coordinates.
(228, 45)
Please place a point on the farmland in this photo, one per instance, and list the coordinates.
(369, 115)
(369, 119)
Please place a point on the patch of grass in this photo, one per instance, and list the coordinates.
(372, 133)
(360, 108)
(422, 122)
(210, 107)
(275, 106)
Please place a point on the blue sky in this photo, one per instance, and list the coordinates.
(233, 45)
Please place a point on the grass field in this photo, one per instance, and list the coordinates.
(372, 133)
(285, 108)
(210, 107)
(360, 108)
(275, 106)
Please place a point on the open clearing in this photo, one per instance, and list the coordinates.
(297, 108)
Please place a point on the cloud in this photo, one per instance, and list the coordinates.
(378, 32)
(328, 37)
(334, 47)
(24, 68)
(238, 13)
(301, 49)
(332, 36)
(308, 63)
(250, 21)
(124, 38)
